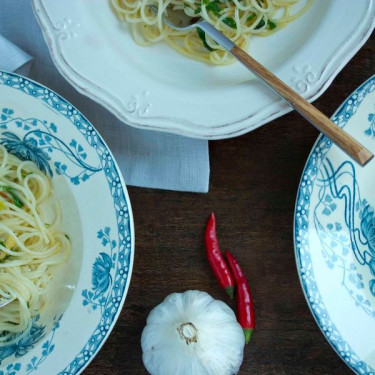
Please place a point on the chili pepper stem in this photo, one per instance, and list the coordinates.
(248, 333)
(230, 291)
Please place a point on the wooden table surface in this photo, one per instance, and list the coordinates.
(253, 185)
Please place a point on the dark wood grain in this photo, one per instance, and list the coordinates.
(254, 179)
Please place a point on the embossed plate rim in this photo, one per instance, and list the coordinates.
(228, 127)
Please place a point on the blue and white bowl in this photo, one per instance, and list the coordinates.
(89, 291)
(335, 236)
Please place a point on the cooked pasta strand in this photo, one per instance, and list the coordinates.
(29, 246)
(237, 19)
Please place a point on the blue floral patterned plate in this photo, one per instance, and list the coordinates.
(88, 292)
(335, 236)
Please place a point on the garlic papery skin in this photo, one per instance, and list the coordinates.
(191, 333)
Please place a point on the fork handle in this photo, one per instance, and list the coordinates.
(341, 138)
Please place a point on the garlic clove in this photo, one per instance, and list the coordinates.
(191, 333)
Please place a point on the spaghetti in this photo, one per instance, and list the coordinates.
(237, 19)
(30, 243)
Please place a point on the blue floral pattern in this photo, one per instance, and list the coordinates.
(101, 277)
(327, 204)
(368, 227)
(11, 369)
(371, 130)
(110, 277)
(47, 348)
(101, 273)
(39, 141)
(25, 344)
(353, 234)
(27, 149)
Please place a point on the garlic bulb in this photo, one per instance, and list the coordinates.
(191, 333)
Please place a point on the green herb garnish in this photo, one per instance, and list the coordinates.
(17, 201)
(214, 7)
(202, 36)
(229, 21)
(251, 17)
(271, 25)
(260, 24)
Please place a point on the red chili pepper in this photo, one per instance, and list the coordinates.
(245, 305)
(216, 259)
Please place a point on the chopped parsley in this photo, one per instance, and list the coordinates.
(214, 7)
(229, 21)
(251, 17)
(16, 200)
(202, 36)
(271, 25)
(260, 24)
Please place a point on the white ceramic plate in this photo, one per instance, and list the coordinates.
(335, 236)
(88, 292)
(156, 88)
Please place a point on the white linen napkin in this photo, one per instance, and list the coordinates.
(146, 158)
(13, 59)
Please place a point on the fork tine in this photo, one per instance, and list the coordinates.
(4, 301)
(168, 22)
(154, 8)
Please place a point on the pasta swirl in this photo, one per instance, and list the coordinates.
(30, 244)
(237, 19)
